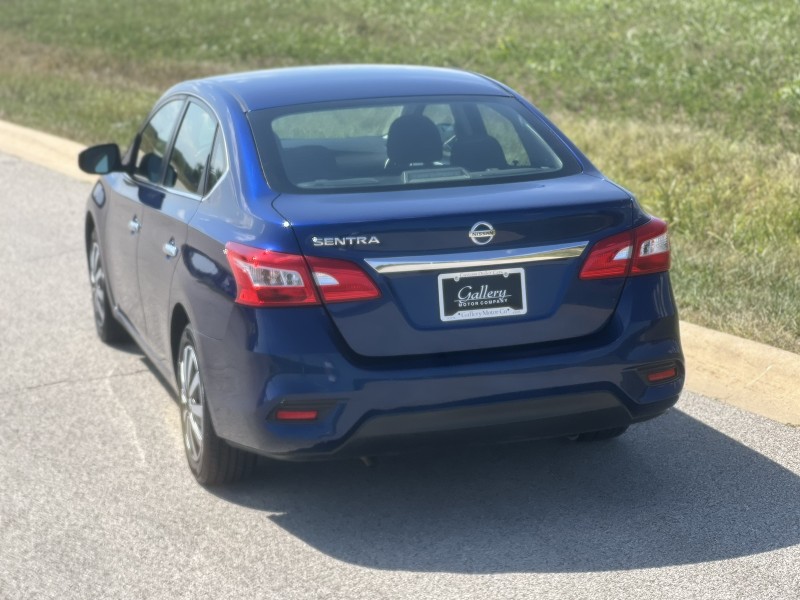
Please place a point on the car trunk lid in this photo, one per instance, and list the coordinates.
(466, 268)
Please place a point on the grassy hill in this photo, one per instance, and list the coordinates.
(695, 106)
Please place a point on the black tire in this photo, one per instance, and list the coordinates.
(108, 328)
(211, 459)
(596, 436)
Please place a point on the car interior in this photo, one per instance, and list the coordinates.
(424, 142)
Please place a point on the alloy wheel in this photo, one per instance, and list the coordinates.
(97, 279)
(191, 403)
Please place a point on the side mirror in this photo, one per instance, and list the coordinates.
(99, 160)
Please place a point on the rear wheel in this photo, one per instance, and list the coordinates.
(211, 460)
(108, 328)
(596, 436)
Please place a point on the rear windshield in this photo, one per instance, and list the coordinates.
(406, 142)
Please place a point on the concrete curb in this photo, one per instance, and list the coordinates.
(55, 153)
(746, 374)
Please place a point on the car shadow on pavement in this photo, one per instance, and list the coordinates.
(672, 491)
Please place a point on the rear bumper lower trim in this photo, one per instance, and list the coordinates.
(519, 420)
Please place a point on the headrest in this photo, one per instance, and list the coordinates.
(413, 139)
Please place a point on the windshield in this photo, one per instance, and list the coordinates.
(406, 142)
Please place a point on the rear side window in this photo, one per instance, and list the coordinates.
(406, 142)
(218, 163)
(154, 139)
(190, 154)
(501, 128)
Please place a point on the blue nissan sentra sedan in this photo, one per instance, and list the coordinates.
(353, 260)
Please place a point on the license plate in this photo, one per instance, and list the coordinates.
(482, 294)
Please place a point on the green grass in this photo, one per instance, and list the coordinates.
(695, 106)
(734, 214)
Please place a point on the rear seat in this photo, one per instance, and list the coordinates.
(478, 153)
(309, 163)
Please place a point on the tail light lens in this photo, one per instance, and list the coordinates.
(652, 248)
(662, 375)
(610, 257)
(637, 252)
(296, 415)
(342, 281)
(267, 278)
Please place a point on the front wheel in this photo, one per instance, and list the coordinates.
(108, 328)
(211, 460)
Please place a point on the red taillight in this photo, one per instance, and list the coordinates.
(341, 281)
(610, 257)
(652, 248)
(296, 415)
(637, 252)
(267, 278)
(662, 375)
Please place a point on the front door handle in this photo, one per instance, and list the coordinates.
(133, 225)
(170, 249)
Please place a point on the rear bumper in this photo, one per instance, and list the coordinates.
(294, 358)
(550, 416)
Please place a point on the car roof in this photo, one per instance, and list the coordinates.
(257, 90)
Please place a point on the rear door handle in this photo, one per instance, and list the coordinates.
(170, 249)
(133, 225)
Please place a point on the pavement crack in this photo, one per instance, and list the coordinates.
(69, 380)
(52, 256)
(764, 372)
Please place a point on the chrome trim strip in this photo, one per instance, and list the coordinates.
(471, 260)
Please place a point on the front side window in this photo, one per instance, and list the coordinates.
(406, 142)
(154, 139)
(189, 157)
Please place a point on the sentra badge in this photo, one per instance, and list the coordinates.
(350, 240)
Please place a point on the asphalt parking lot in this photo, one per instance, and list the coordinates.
(96, 501)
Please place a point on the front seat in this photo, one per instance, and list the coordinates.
(413, 141)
